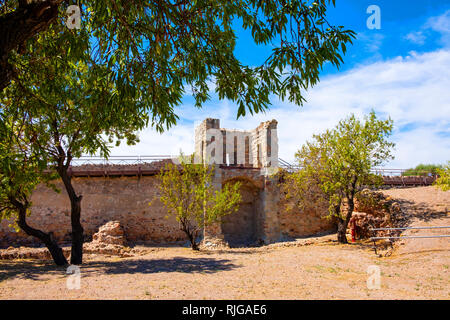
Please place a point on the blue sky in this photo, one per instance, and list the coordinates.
(398, 18)
(400, 70)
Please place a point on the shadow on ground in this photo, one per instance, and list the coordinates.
(413, 213)
(28, 269)
(36, 270)
(145, 266)
(419, 210)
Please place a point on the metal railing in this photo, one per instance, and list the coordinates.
(380, 171)
(286, 165)
(392, 177)
(373, 230)
(136, 159)
(118, 160)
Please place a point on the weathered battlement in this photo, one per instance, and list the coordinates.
(257, 148)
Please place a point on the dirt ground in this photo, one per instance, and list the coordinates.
(316, 268)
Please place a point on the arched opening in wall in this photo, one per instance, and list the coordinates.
(240, 228)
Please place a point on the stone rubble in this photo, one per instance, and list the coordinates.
(375, 210)
(109, 240)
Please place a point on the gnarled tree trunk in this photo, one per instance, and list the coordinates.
(46, 238)
(191, 233)
(342, 230)
(343, 223)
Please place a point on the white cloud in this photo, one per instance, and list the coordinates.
(181, 137)
(439, 24)
(413, 90)
(372, 41)
(416, 37)
(422, 145)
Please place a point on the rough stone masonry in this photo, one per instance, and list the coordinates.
(249, 156)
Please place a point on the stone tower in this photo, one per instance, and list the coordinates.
(257, 148)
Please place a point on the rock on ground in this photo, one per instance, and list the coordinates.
(109, 240)
(110, 233)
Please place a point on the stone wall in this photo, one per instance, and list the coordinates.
(298, 222)
(124, 199)
(264, 213)
(248, 156)
(243, 227)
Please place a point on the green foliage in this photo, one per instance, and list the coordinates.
(22, 166)
(337, 163)
(188, 194)
(72, 108)
(423, 170)
(443, 181)
(157, 51)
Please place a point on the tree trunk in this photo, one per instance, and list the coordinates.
(20, 25)
(194, 245)
(46, 238)
(76, 256)
(191, 234)
(343, 223)
(192, 240)
(342, 231)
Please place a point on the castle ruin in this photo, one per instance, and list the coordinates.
(119, 194)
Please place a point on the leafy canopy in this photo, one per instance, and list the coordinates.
(157, 51)
(338, 162)
(72, 105)
(22, 166)
(58, 107)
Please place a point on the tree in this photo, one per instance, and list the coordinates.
(72, 108)
(22, 168)
(338, 165)
(133, 62)
(423, 170)
(188, 194)
(443, 181)
(163, 48)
